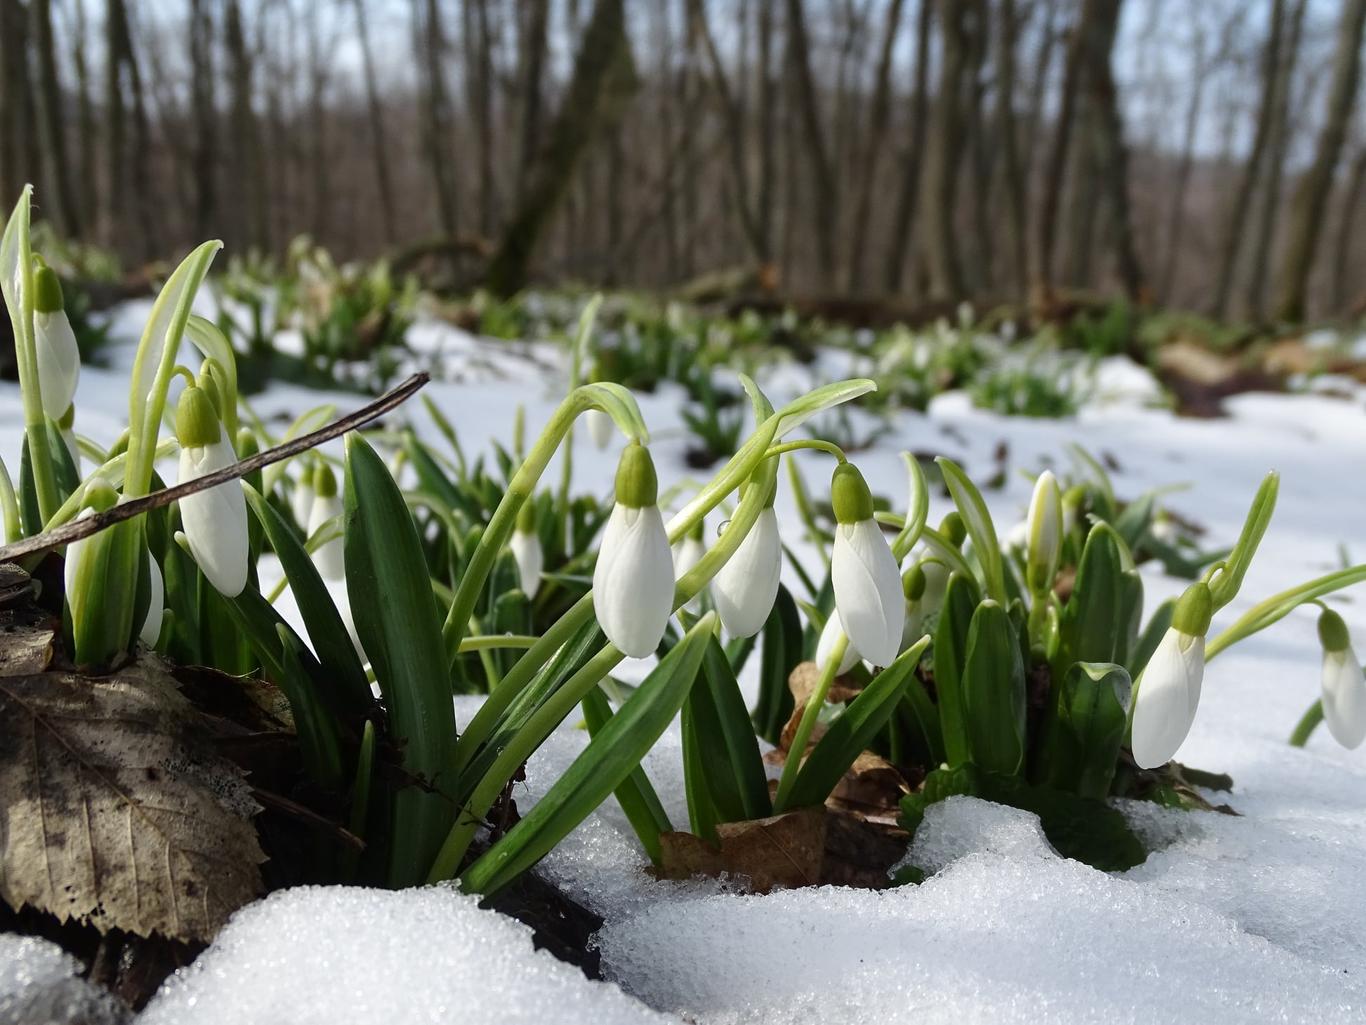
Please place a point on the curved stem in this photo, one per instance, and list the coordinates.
(1307, 724)
(814, 444)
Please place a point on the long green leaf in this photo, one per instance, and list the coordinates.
(730, 758)
(609, 759)
(399, 626)
(976, 517)
(636, 795)
(779, 654)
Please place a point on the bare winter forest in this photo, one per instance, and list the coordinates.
(1208, 155)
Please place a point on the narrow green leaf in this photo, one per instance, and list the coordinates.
(779, 654)
(961, 598)
(636, 795)
(730, 758)
(977, 518)
(993, 686)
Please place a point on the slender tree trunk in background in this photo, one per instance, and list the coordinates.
(13, 87)
(1242, 197)
(1007, 134)
(204, 162)
(1176, 215)
(114, 113)
(87, 133)
(319, 155)
(909, 191)
(482, 60)
(379, 143)
(52, 121)
(604, 77)
(768, 129)
(1274, 167)
(1056, 168)
(1038, 93)
(1311, 197)
(879, 116)
(148, 203)
(1351, 207)
(689, 88)
(665, 103)
(1107, 141)
(824, 201)
(979, 275)
(436, 119)
(733, 118)
(940, 200)
(532, 42)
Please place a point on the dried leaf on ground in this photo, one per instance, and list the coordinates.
(782, 851)
(25, 642)
(117, 811)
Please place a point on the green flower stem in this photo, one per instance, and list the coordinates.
(493, 642)
(9, 506)
(796, 751)
(1278, 606)
(544, 720)
(26, 356)
(1308, 723)
(814, 444)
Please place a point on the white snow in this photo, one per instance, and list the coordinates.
(39, 986)
(1260, 917)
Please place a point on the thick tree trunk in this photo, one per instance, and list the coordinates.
(532, 46)
(436, 118)
(603, 78)
(479, 54)
(1311, 197)
(1348, 215)
(204, 161)
(52, 120)
(824, 204)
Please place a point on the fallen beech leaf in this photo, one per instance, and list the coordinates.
(859, 852)
(806, 675)
(872, 784)
(783, 851)
(116, 810)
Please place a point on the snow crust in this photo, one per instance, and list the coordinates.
(39, 985)
(1260, 917)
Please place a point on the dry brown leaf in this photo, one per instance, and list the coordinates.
(116, 809)
(803, 679)
(871, 783)
(782, 851)
(25, 642)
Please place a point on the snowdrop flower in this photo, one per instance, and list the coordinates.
(825, 646)
(1169, 688)
(1344, 688)
(215, 520)
(600, 427)
(863, 571)
(59, 358)
(329, 557)
(633, 581)
(688, 552)
(156, 605)
(526, 550)
(1045, 533)
(747, 585)
(301, 501)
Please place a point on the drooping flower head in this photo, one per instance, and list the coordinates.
(1169, 688)
(59, 357)
(214, 520)
(525, 544)
(747, 585)
(1344, 688)
(329, 557)
(863, 571)
(633, 581)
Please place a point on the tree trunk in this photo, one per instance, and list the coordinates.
(436, 119)
(1312, 195)
(14, 87)
(52, 121)
(114, 113)
(379, 143)
(532, 43)
(909, 192)
(87, 133)
(878, 117)
(824, 200)
(1351, 205)
(1007, 133)
(204, 162)
(1056, 168)
(768, 129)
(479, 54)
(1274, 167)
(603, 78)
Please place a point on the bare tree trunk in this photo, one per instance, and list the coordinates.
(1274, 167)
(52, 120)
(959, 22)
(1312, 195)
(436, 118)
(1351, 207)
(979, 276)
(1007, 132)
(14, 87)
(532, 41)
(768, 129)
(1242, 197)
(1056, 168)
(825, 200)
(379, 143)
(114, 113)
(603, 79)
(878, 118)
(87, 132)
(320, 156)
(479, 54)
(909, 191)
(1176, 215)
(204, 162)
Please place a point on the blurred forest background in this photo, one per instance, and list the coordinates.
(1201, 154)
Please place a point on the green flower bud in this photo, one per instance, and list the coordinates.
(196, 420)
(637, 484)
(526, 518)
(953, 528)
(849, 495)
(913, 583)
(47, 291)
(1333, 633)
(247, 445)
(324, 481)
(1194, 610)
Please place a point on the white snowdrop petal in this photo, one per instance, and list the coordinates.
(530, 559)
(59, 361)
(156, 605)
(600, 427)
(1344, 697)
(1168, 696)
(687, 554)
(215, 521)
(747, 585)
(301, 502)
(868, 593)
(832, 629)
(633, 582)
(330, 557)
